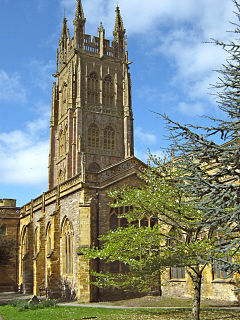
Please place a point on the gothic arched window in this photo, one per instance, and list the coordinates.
(23, 248)
(109, 138)
(93, 88)
(114, 222)
(36, 241)
(67, 247)
(64, 99)
(176, 272)
(49, 239)
(61, 176)
(108, 91)
(61, 143)
(93, 136)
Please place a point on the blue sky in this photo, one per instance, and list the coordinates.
(171, 73)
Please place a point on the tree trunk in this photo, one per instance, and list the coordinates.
(197, 280)
(160, 285)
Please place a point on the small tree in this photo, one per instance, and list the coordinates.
(140, 254)
(176, 240)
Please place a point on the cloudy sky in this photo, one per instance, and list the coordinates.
(171, 73)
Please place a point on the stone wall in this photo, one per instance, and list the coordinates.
(9, 228)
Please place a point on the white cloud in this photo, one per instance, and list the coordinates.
(144, 16)
(24, 155)
(44, 71)
(173, 28)
(144, 154)
(27, 166)
(11, 88)
(145, 137)
(191, 109)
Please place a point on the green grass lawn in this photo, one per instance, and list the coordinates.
(77, 313)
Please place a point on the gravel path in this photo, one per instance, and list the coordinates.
(95, 305)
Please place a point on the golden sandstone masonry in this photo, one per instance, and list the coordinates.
(91, 150)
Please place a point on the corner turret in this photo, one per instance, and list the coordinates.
(79, 26)
(119, 35)
(64, 41)
(65, 37)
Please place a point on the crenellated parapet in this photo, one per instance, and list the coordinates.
(8, 203)
(84, 43)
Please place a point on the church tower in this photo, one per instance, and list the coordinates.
(91, 120)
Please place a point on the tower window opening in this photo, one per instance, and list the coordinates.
(93, 88)
(93, 136)
(109, 138)
(108, 91)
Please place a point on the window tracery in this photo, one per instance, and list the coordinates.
(93, 88)
(116, 221)
(64, 100)
(108, 91)
(176, 272)
(49, 239)
(109, 138)
(93, 136)
(63, 140)
(23, 248)
(36, 241)
(218, 271)
(61, 143)
(61, 176)
(67, 247)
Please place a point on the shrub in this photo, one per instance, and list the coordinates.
(24, 305)
(20, 304)
(49, 303)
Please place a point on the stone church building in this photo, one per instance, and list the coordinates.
(91, 151)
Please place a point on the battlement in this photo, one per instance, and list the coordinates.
(11, 203)
(84, 43)
(92, 45)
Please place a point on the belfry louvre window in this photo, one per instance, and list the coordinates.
(108, 92)
(93, 136)
(109, 138)
(93, 88)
